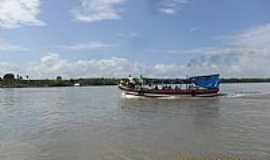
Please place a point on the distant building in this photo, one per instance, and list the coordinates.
(9, 76)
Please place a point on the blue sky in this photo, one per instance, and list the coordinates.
(164, 38)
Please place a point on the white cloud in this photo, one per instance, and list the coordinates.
(168, 10)
(129, 35)
(15, 13)
(194, 29)
(7, 47)
(8, 68)
(94, 45)
(171, 7)
(98, 10)
(53, 65)
(246, 55)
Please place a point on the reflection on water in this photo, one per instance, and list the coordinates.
(97, 123)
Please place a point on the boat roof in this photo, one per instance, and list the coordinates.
(177, 80)
(166, 81)
(205, 76)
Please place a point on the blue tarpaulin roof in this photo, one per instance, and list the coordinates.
(209, 81)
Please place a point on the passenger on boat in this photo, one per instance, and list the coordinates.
(131, 81)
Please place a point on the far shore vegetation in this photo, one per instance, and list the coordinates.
(11, 81)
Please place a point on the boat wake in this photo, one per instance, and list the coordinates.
(247, 94)
(225, 95)
(127, 96)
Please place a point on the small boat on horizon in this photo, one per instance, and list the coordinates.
(77, 85)
(198, 86)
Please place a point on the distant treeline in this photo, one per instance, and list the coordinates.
(245, 80)
(21, 83)
(58, 82)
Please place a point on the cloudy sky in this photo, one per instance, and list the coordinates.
(157, 38)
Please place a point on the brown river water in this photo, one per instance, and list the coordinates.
(97, 123)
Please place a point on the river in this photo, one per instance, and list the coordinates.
(83, 123)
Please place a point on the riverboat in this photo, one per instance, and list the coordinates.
(197, 86)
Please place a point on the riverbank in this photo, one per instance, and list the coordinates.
(98, 82)
(58, 83)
